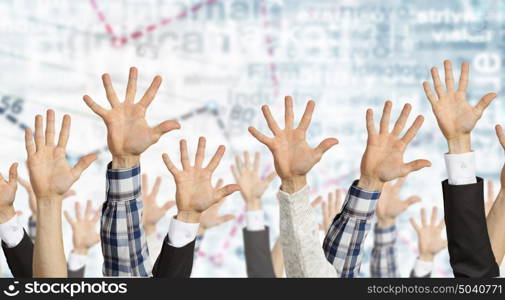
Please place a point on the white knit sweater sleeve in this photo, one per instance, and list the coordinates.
(299, 234)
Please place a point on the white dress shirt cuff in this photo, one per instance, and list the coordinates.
(461, 168)
(11, 232)
(255, 220)
(76, 261)
(423, 268)
(180, 233)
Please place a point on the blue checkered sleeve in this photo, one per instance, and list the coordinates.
(124, 244)
(383, 260)
(343, 241)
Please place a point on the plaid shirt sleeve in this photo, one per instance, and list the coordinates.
(32, 228)
(383, 260)
(124, 244)
(343, 241)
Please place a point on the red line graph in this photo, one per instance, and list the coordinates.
(270, 49)
(123, 40)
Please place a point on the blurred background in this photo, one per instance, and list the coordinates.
(220, 61)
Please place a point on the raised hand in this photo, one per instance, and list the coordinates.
(210, 217)
(429, 235)
(84, 234)
(293, 157)
(50, 174)
(252, 186)
(501, 137)
(152, 212)
(383, 157)
(331, 207)
(32, 200)
(128, 134)
(51, 177)
(455, 116)
(391, 205)
(194, 191)
(8, 194)
(489, 201)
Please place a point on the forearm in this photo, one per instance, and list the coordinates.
(278, 259)
(495, 225)
(49, 257)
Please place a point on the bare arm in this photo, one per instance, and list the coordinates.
(495, 218)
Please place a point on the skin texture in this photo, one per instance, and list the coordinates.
(490, 197)
(194, 191)
(456, 118)
(252, 186)
(495, 219)
(51, 178)
(429, 235)
(84, 234)
(128, 134)
(293, 157)
(8, 194)
(152, 212)
(383, 157)
(391, 205)
(210, 217)
(32, 200)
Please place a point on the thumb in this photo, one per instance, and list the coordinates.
(83, 164)
(226, 191)
(270, 177)
(226, 218)
(412, 200)
(325, 145)
(168, 205)
(484, 102)
(165, 127)
(416, 165)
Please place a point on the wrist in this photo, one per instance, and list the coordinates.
(188, 216)
(149, 229)
(460, 144)
(201, 230)
(426, 257)
(253, 204)
(385, 222)
(370, 183)
(81, 250)
(7, 213)
(293, 184)
(125, 161)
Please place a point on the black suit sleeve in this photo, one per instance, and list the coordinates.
(258, 257)
(174, 262)
(469, 246)
(20, 258)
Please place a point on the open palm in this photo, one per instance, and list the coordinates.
(430, 234)
(128, 133)
(50, 173)
(383, 157)
(194, 191)
(293, 157)
(455, 116)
